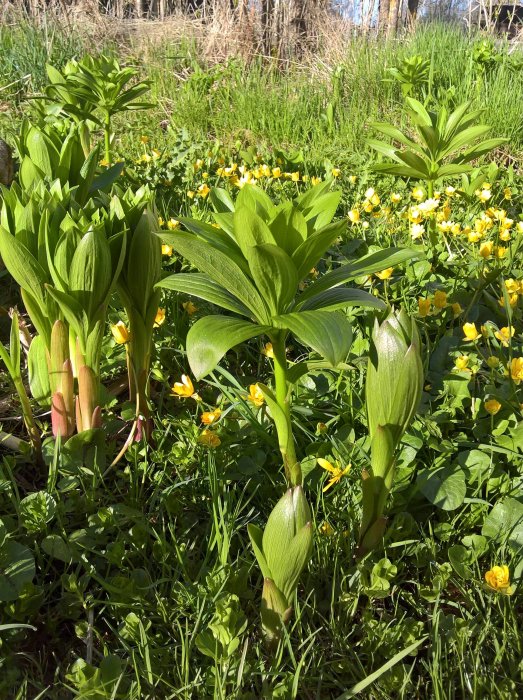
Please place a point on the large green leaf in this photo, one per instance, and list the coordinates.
(314, 247)
(327, 332)
(289, 227)
(211, 337)
(374, 262)
(200, 285)
(341, 297)
(274, 274)
(220, 268)
(250, 230)
(26, 271)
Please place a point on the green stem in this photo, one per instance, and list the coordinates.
(288, 449)
(433, 232)
(29, 421)
(107, 139)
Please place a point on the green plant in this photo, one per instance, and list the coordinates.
(443, 149)
(412, 73)
(392, 394)
(11, 361)
(96, 89)
(253, 266)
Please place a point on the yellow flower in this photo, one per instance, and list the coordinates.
(189, 308)
(507, 193)
(144, 139)
(159, 318)
(198, 164)
(440, 299)
(519, 227)
(354, 216)
(315, 180)
(255, 395)
(120, 333)
(276, 172)
(209, 417)
(449, 191)
(336, 471)
(485, 249)
(268, 350)
(430, 205)
(492, 406)
(415, 215)
(173, 224)
(326, 529)
(336, 172)
(352, 179)
(418, 193)
(156, 153)
(470, 331)
(462, 362)
(385, 274)
(516, 369)
(209, 439)
(504, 335)
(395, 198)
(512, 285)
(184, 388)
(203, 190)
(190, 194)
(424, 307)
(104, 163)
(161, 222)
(456, 308)
(295, 177)
(498, 579)
(167, 250)
(500, 251)
(493, 362)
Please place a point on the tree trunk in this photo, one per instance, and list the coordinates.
(383, 15)
(412, 12)
(393, 16)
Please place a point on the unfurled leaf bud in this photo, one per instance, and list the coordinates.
(395, 375)
(88, 412)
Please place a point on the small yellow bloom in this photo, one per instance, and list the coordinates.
(424, 307)
(504, 335)
(385, 274)
(209, 439)
(191, 194)
(189, 308)
(276, 172)
(144, 139)
(485, 249)
(462, 362)
(512, 285)
(209, 417)
(456, 308)
(203, 190)
(493, 362)
(507, 193)
(336, 172)
(167, 250)
(492, 406)
(500, 251)
(315, 180)
(354, 216)
(395, 198)
(104, 163)
(471, 332)
(519, 227)
(498, 579)
(120, 333)
(156, 153)
(516, 369)
(295, 177)
(450, 191)
(173, 224)
(183, 388)
(161, 222)
(268, 351)
(326, 529)
(483, 195)
(255, 395)
(197, 165)
(418, 193)
(440, 299)
(336, 471)
(159, 319)
(352, 179)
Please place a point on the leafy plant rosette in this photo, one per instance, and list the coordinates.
(446, 144)
(253, 265)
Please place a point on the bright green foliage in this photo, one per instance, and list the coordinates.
(393, 391)
(412, 73)
(282, 550)
(444, 147)
(254, 264)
